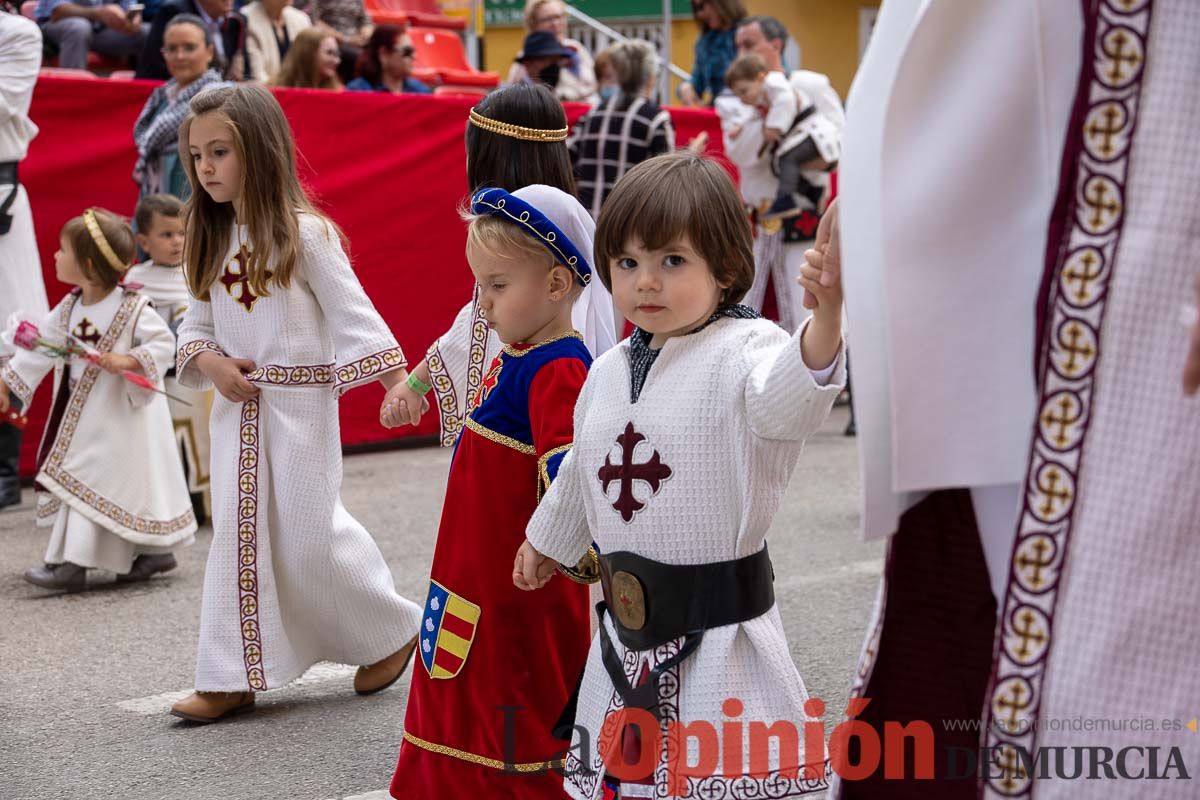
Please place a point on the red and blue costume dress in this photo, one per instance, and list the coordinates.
(497, 665)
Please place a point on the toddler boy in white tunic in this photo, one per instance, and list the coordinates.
(686, 437)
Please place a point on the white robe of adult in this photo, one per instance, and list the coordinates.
(21, 285)
(292, 578)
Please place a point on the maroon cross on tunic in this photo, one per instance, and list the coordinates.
(235, 275)
(652, 472)
(86, 332)
(807, 223)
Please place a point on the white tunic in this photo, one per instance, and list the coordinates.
(727, 409)
(21, 285)
(166, 287)
(110, 457)
(292, 578)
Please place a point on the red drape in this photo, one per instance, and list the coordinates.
(389, 169)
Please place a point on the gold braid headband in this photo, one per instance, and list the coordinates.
(110, 255)
(517, 131)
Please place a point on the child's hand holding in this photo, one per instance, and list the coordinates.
(402, 406)
(115, 364)
(228, 375)
(531, 569)
(771, 136)
(735, 132)
(4, 401)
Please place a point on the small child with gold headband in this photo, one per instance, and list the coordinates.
(114, 491)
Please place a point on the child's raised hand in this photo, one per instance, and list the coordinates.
(824, 261)
(771, 136)
(229, 376)
(4, 401)
(402, 406)
(531, 569)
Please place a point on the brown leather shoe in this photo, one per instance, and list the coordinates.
(382, 674)
(206, 707)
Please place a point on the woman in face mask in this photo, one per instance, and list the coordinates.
(576, 76)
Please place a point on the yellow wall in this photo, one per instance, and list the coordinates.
(826, 30)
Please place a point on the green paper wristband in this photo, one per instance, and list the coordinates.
(417, 385)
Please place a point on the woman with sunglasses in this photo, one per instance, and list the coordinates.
(386, 64)
(715, 49)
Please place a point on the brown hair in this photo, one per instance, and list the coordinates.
(91, 259)
(167, 205)
(299, 68)
(731, 12)
(745, 68)
(671, 196)
(503, 162)
(271, 197)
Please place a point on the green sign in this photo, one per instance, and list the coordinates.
(505, 13)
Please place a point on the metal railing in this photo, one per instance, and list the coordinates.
(595, 36)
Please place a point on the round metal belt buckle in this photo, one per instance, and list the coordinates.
(630, 600)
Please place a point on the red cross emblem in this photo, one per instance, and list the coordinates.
(489, 382)
(86, 332)
(652, 472)
(235, 276)
(807, 223)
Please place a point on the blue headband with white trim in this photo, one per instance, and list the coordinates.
(507, 206)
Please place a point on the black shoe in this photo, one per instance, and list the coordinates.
(851, 429)
(10, 502)
(10, 491)
(71, 577)
(198, 508)
(145, 566)
(785, 206)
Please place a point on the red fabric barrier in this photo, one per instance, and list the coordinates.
(390, 170)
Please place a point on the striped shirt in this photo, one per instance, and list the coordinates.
(611, 138)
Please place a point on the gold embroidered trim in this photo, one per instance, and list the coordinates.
(500, 438)
(299, 375)
(18, 386)
(192, 349)
(515, 353)
(517, 131)
(543, 472)
(93, 228)
(483, 761)
(369, 366)
(149, 368)
(587, 571)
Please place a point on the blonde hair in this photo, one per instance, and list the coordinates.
(270, 196)
(91, 259)
(531, 9)
(634, 63)
(299, 67)
(504, 240)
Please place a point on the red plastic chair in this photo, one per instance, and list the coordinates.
(461, 91)
(424, 13)
(442, 51)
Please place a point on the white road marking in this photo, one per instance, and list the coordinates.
(318, 674)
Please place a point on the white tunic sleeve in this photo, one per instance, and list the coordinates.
(783, 103)
(559, 527)
(783, 401)
(363, 345)
(154, 349)
(26, 368)
(196, 335)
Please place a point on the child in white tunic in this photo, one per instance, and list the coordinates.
(115, 496)
(281, 327)
(686, 435)
(160, 235)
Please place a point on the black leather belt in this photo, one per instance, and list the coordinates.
(652, 603)
(8, 174)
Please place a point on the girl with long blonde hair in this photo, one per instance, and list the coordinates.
(281, 327)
